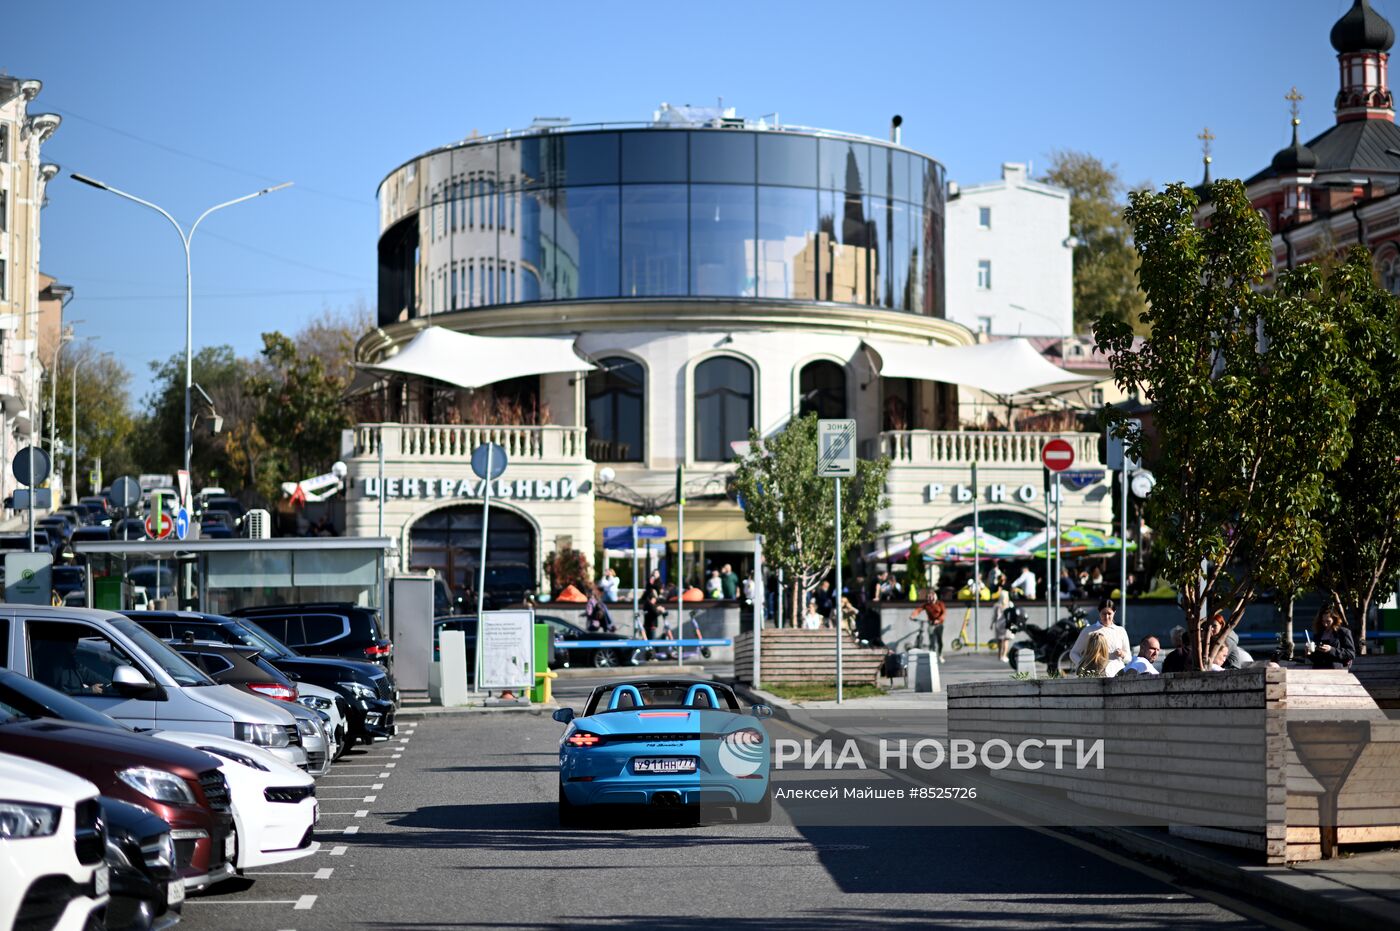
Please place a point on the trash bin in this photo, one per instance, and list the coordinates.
(923, 671)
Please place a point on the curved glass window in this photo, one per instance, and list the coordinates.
(723, 408)
(722, 240)
(615, 410)
(659, 213)
(654, 240)
(822, 389)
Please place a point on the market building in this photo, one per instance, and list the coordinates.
(614, 303)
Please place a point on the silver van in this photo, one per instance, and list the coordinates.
(114, 665)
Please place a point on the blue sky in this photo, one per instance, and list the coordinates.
(188, 104)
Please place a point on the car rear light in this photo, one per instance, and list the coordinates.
(583, 739)
(374, 650)
(274, 690)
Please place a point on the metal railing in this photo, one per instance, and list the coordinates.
(456, 441)
(948, 447)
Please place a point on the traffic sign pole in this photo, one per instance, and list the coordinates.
(839, 685)
(976, 566)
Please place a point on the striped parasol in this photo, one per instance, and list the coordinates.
(960, 546)
(1077, 541)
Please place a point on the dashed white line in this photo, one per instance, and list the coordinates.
(346, 813)
(377, 785)
(324, 872)
(397, 756)
(362, 813)
(353, 829)
(304, 903)
(390, 765)
(339, 850)
(385, 775)
(370, 798)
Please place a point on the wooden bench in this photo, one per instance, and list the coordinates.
(1379, 674)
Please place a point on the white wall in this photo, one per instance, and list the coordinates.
(1032, 292)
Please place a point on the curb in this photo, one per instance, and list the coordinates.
(434, 711)
(1321, 903)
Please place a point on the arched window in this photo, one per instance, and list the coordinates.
(1390, 272)
(723, 407)
(615, 408)
(822, 390)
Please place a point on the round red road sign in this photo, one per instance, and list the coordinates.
(158, 526)
(1057, 455)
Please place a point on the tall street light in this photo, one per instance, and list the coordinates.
(73, 453)
(185, 239)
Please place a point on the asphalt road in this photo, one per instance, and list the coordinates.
(453, 825)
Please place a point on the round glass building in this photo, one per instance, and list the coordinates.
(661, 212)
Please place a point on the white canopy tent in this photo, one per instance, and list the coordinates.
(1009, 368)
(469, 361)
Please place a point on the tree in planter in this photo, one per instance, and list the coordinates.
(1360, 512)
(1250, 402)
(779, 474)
(568, 567)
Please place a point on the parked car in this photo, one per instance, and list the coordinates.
(182, 786)
(19, 542)
(225, 503)
(52, 857)
(158, 581)
(267, 832)
(94, 533)
(367, 688)
(68, 579)
(129, 528)
(59, 528)
(561, 630)
(243, 668)
(99, 502)
(334, 706)
(508, 583)
(115, 666)
(216, 532)
(147, 892)
(324, 629)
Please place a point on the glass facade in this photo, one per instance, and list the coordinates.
(709, 213)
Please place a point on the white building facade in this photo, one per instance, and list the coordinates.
(1010, 258)
(719, 275)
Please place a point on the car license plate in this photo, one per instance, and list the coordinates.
(663, 765)
(101, 881)
(230, 845)
(175, 892)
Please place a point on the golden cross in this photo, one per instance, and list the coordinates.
(1206, 137)
(1293, 97)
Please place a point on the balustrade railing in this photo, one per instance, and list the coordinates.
(456, 441)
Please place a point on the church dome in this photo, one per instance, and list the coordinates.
(1362, 29)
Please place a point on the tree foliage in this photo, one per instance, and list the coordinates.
(1360, 510)
(1105, 264)
(105, 421)
(778, 476)
(1250, 397)
(300, 415)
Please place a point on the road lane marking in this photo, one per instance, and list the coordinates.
(397, 756)
(385, 775)
(377, 785)
(370, 798)
(390, 765)
(353, 829)
(339, 850)
(304, 903)
(324, 872)
(362, 813)
(346, 813)
(244, 901)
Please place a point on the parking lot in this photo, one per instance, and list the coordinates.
(453, 825)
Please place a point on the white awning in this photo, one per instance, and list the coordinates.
(1004, 368)
(473, 361)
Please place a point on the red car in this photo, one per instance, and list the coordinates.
(182, 786)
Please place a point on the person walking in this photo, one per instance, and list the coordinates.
(936, 612)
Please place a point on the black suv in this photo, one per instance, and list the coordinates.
(328, 629)
(367, 688)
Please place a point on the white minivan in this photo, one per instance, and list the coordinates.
(116, 666)
(50, 827)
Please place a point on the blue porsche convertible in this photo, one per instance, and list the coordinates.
(680, 744)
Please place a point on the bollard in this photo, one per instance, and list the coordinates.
(1025, 662)
(546, 685)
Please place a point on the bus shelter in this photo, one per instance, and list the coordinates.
(220, 575)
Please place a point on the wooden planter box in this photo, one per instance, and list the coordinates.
(797, 657)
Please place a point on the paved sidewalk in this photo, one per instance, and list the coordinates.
(958, 667)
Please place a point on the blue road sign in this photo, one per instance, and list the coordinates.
(182, 524)
(498, 460)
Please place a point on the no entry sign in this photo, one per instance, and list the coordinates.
(1057, 455)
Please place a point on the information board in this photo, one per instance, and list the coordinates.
(505, 650)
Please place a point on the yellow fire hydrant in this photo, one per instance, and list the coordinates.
(549, 675)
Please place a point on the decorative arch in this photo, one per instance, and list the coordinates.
(615, 408)
(446, 537)
(1388, 265)
(822, 387)
(723, 404)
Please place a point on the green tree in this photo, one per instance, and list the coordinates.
(160, 433)
(1105, 265)
(105, 422)
(1361, 507)
(300, 416)
(1249, 394)
(779, 475)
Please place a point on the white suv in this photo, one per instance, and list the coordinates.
(52, 845)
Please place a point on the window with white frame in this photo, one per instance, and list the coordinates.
(984, 325)
(984, 274)
(984, 217)
(1096, 397)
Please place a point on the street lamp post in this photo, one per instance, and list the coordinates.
(185, 239)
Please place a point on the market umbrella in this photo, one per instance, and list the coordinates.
(1076, 540)
(899, 551)
(961, 546)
